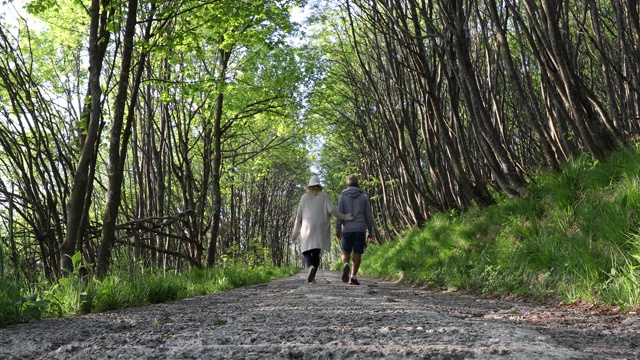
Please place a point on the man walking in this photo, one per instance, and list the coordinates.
(354, 234)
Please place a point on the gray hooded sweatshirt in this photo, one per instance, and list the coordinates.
(352, 200)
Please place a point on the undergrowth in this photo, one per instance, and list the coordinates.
(123, 288)
(574, 237)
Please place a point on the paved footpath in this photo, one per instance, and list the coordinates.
(290, 319)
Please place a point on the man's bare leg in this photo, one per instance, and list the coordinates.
(345, 257)
(356, 264)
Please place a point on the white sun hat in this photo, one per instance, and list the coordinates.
(315, 180)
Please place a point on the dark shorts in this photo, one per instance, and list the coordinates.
(354, 241)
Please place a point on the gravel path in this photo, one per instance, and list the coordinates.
(290, 319)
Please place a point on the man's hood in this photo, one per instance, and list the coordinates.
(352, 191)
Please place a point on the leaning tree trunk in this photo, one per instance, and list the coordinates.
(77, 209)
(494, 150)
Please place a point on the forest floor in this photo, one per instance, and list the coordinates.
(290, 319)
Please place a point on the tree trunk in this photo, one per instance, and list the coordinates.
(216, 167)
(80, 197)
(118, 145)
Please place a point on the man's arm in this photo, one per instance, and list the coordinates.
(368, 215)
(338, 221)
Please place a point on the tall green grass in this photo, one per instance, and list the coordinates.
(575, 237)
(125, 287)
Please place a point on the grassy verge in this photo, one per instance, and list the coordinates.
(75, 295)
(575, 237)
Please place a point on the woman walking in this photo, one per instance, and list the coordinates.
(313, 226)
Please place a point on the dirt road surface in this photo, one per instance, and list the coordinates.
(290, 319)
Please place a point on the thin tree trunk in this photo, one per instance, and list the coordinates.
(495, 154)
(118, 145)
(216, 167)
(531, 112)
(77, 209)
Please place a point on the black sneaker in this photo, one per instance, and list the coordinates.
(345, 273)
(354, 281)
(312, 274)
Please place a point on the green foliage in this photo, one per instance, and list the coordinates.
(163, 289)
(574, 238)
(218, 321)
(18, 308)
(72, 294)
(114, 293)
(77, 295)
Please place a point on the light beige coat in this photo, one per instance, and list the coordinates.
(313, 221)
